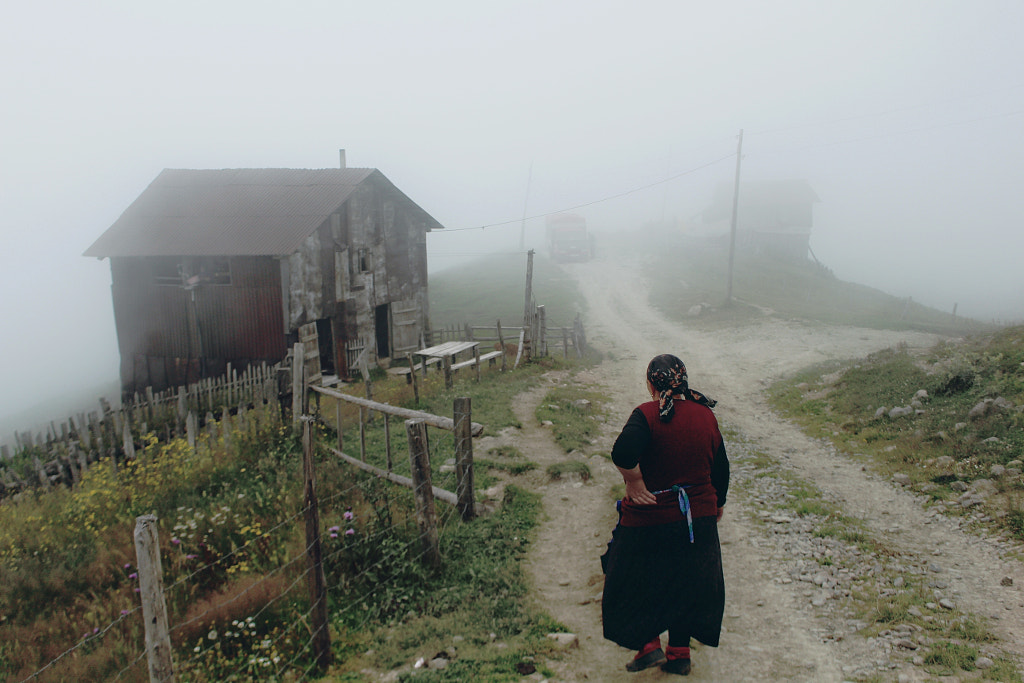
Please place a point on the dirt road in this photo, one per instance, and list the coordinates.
(771, 631)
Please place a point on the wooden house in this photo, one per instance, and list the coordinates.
(773, 217)
(211, 267)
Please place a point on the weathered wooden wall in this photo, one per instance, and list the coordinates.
(169, 336)
(370, 253)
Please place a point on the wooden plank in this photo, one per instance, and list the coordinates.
(431, 419)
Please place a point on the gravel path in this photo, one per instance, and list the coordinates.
(778, 624)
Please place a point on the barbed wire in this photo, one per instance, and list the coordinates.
(92, 637)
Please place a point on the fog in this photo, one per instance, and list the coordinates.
(905, 118)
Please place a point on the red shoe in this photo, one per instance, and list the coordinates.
(677, 666)
(652, 658)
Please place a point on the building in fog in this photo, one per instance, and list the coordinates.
(773, 216)
(211, 267)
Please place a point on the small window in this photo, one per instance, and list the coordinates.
(214, 270)
(364, 260)
(167, 270)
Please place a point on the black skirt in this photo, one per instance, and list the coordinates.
(656, 580)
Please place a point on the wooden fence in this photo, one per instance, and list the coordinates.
(548, 337)
(61, 454)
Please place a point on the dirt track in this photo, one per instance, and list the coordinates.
(770, 632)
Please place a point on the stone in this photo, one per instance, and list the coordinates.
(901, 479)
(1002, 403)
(880, 412)
(946, 603)
(438, 663)
(997, 471)
(944, 461)
(934, 567)
(915, 612)
(906, 644)
(916, 404)
(565, 640)
(1015, 463)
(978, 411)
(958, 486)
(959, 425)
(582, 405)
(898, 582)
(984, 663)
(1006, 581)
(901, 412)
(994, 440)
(921, 395)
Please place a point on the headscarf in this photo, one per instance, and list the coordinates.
(668, 376)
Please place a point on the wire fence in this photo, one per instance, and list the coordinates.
(290, 646)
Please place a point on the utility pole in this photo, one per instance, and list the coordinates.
(735, 204)
(526, 203)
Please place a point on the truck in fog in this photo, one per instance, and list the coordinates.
(568, 239)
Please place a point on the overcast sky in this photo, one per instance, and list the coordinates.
(907, 119)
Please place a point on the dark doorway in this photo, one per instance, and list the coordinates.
(325, 339)
(381, 330)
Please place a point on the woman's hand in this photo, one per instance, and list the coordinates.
(636, 492)
(721, 511)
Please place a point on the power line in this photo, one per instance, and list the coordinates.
(596, 201)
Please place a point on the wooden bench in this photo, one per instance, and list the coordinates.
(489, 356)
(406, 371)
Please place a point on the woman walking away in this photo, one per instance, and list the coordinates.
(663, 567)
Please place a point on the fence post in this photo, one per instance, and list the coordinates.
(298, 383)
(501, 345)
(314, 555)
(476, 357)
(542, 334)
(412, 376)
(463, 434)
(426, 516)
(154, 609)
(337, 420)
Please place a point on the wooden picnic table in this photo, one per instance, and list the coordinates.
(446, 353)
(448, 349)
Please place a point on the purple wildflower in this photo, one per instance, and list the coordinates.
(133, 575)
(350, 532)
(334, 535)
(125, 613)
(348, 515)
(127, 567)
(334, 529)
(175, 541)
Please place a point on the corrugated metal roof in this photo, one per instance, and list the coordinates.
(229, 212)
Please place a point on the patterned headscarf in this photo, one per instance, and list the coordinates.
(668, 376)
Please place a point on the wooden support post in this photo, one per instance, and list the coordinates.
(191, 427)
(412, 376)
(446, 363)
(387, 440)
(476, 356)
(501, 345)
(426, 515)
(362, 433)
(542, 334)
(154, 608)
(298, 384)
(565, 343)
(128, 443)
(463, 435)
(337, 420)
(525, 339)
(314, 556)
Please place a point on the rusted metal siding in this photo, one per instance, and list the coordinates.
(167, 334)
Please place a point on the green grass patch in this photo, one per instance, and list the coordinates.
(574, 467)
(574, 412)
(938, 444)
